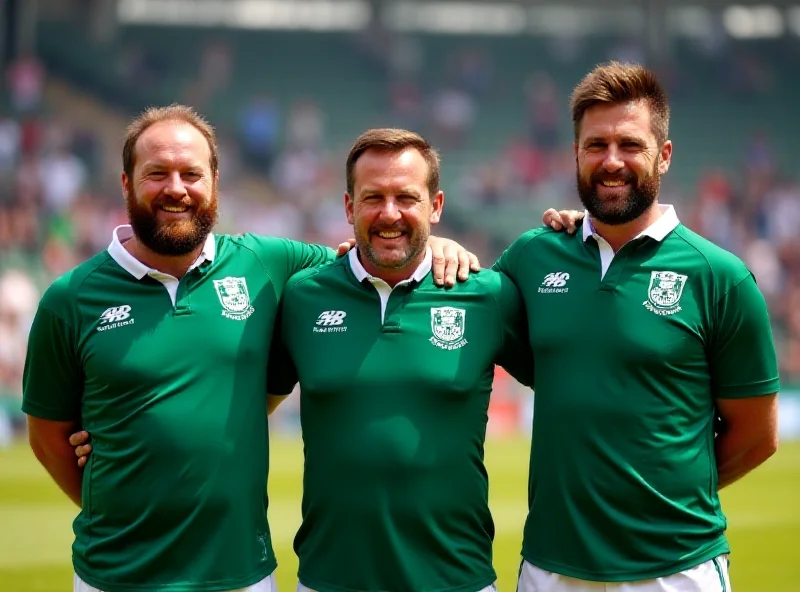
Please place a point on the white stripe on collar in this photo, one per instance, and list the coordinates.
(418, 275)
(658, 230)
(138, 269)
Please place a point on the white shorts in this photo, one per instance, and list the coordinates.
(301, 588)
(265, 585)
(711, 576)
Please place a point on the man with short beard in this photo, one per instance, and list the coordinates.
(158, 346)
(395, 377)
(668, 331)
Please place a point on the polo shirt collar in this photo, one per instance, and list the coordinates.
(138, 269)
(418, 275)
(658, 230)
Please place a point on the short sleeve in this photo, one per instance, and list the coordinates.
(516, 355)
(52, 382)
(741, 351)
(304, 255)
(281, 370)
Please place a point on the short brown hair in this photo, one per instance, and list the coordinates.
(174, 112)
(393, 140)
(615, 82)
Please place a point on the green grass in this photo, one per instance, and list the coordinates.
(763, 514)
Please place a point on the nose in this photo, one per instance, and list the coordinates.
(613, 160)
(174, 185)
(390, 213)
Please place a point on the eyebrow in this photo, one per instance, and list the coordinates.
(634, 139)
(403, 191)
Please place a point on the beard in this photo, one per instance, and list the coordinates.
(171, 239)
(397, 258)
(641, 195)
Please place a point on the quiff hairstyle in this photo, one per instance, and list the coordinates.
(614, 82)
(393, 140)
(174, 112)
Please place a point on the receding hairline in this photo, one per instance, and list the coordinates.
(171, 122)
(392, 152)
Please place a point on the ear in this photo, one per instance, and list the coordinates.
(665, 157)
(126, 185)
(575, 149)
(438, 205)
(348, 207)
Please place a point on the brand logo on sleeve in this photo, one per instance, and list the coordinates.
(234, 297)
(330, 321)
(115, 316)
(554, 283)
(664, 292)
(448, 325)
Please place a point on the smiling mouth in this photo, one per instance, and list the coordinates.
(389, 235)
(175, 209)
(617, 183)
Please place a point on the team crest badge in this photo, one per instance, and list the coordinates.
(234, 297)
(447, 324)
(664, 292)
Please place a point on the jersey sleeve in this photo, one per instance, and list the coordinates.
(52, 381)
(516, 355)
(281, 370)
(304, 255)
(742, 352)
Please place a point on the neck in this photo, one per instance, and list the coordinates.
(618, 235)
(176, 265)
(392, 276)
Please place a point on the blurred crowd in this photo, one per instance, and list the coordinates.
(57, 207)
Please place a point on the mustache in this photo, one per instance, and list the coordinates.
(401, 227)
(624, 176)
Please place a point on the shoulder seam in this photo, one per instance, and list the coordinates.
(497, 306)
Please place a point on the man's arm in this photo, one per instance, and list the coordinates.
(748, 436)
(744, 378)
(49, 441)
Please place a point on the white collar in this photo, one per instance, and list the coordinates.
(418, 275)
(138, 269)
(658, 230)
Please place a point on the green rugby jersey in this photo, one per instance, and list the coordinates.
(623, 480)
(171, 383)
(394, 398)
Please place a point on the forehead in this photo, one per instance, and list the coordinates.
(380, 169)
(631, 118)
(172, 141)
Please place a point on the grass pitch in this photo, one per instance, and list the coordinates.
(763, 514)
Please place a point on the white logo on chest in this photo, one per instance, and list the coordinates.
(330, 321)
(664, 292)
(448, 325)
(554, 283)
(116, 316)
(234, 297)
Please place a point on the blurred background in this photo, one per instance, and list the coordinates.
(289, 84)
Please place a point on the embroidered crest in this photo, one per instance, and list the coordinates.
(448, 324)
(234, 297)
(664, 292)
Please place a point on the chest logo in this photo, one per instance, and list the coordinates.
(553, 283)
(234, 297)
(448, 325)
(331, 321)
(664, 292)
(116, 316)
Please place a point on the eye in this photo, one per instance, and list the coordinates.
(157, 175)
(192, 176)
(596, 145)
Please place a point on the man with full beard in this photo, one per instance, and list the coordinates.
(158, 346)
(669, 331)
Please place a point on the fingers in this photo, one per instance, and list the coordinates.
(82, 462)
(78, 438)
(569, 219)
(463, 265)
(84, 450)
(552, 218)
(451, 259)
(474, 262)
(438, 266)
